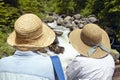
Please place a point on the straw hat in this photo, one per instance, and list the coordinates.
(30, 33)
(91, 41)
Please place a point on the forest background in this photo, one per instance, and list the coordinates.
(107, 11)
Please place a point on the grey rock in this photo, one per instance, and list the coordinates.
(68, 25)
(93, 19)
(58, 33)
(80, 26)
(77, 16)
(68, 18)
(60, 21)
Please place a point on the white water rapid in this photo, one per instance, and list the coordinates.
(69, 51)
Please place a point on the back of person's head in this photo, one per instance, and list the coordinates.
(30, 33)
(91, 41)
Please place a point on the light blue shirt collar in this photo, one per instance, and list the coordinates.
(24, 53)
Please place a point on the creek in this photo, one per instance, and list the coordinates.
(69, 52)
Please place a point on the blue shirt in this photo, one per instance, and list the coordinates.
(28, 64)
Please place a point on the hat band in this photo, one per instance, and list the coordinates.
(36, 37)
(25, 41)
(94, 48)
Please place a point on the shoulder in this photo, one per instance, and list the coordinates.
(6, 58)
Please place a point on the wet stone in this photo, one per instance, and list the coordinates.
(56, 49)
(43, 50)
(58, 33)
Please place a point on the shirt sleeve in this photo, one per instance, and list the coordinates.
(72, 70)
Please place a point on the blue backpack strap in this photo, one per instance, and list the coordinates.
(57, 67)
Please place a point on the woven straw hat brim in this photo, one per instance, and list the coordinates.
(47, 38)
(82, 48)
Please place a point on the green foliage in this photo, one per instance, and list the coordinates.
(31, 6)
(28, 6)
(8, 15)
(87, 10)
(107, 11)
(5, 49)
(110, 12)
(50, 6)
(109, 15)
(65, 7)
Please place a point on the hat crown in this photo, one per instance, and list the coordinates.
(91, 34)
(28, 26)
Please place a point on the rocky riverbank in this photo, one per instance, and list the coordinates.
(61, 23)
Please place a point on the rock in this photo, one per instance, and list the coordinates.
(74, 25)
(56, 49)
(68, 18)
(77, 16)
(48, 19)
(93, 19)
(80, 26)
(68, 25)
(58, 33)
(43, 50)
(55, 41)
(76, 22)
(59, 21)
(63, 16)
(55, 16)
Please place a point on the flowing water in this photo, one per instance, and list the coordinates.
(69, 51)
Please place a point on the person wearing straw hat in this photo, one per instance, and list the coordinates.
(29, 35)
(94, 61)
